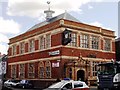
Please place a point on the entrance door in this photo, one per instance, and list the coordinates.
(80, 75)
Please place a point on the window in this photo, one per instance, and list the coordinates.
(74, 40)
(68, 86)
(41, 70)
(78, 85)
(84, 41)
(14, 51)
(48, 41)
(48, 69)
(31, 45)
(94, 65)
(22, 47)
(107, 45)
(42, 42)
(22, 70)
(94, 42)
(31, 70)
(13, 71)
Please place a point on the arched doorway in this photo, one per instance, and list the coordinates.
(81, 75)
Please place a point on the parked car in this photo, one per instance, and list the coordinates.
(68, 85)
(26, 84)
(11, 83)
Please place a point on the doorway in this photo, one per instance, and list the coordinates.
(81, 75)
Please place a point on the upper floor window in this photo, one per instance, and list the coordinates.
(22, 70)
(48, 69)
(14, 50)
(42, 42)
(31, 45)
(84, 41)
(94, 42)
(48, 41)
(74, 40)
(22, 47)
(107, 44)
(13, 71)
(31, 70)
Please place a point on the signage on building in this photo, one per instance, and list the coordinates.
(55, 64)
(57, 52)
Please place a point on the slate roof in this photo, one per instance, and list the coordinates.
(65, 16)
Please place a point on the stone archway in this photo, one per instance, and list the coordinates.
(81, 75)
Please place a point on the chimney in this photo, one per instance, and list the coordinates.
(48, 12)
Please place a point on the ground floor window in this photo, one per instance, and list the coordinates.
(31, 70)
(22, 71)
(48, 69)
(13, 71)
(41, 70)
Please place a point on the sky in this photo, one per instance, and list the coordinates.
(18, 16)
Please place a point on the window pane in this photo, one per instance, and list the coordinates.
(13, 71)
(31, 45)
(48, 69)
(74, 40)
(22, 70)
(107, 45)
(41, 70)
(84, 41)
(48, 41)
(42, 42)
(95, 42)
(31, 71)
(22, 47)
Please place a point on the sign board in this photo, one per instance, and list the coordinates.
(55, 64)
(57, 52)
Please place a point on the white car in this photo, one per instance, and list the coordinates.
(68, 85)
(11, 83)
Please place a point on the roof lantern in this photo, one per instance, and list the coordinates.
(48, 12)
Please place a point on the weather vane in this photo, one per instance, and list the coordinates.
(48, 2)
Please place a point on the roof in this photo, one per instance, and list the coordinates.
(65, 16)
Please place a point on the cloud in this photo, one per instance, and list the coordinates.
(3, 38)
(90, 7)
(3, 44)
(9, 26)
(3, 48)
(35, 8)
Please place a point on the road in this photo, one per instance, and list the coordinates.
(91, 88)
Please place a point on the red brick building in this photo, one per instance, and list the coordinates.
(39, 55)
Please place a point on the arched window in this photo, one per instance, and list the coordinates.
(41, 70)
(31, 70)
(48, 69)
(22, 71)
(13, 71)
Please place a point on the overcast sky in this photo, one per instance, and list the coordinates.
(17, 16)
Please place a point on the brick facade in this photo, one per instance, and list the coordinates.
(60, 59)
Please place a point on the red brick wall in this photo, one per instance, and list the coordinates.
(36, 44)
(17, 49)
(26, 47)
(56, 39)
